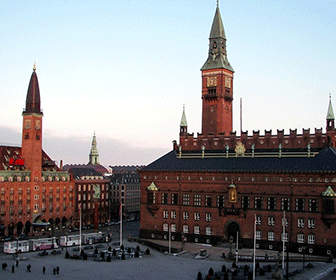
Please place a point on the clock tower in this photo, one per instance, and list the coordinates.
(32, 129)
(217, 83)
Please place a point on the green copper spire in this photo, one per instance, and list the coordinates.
(94, 156)
(217, 57)
(330, 114)
(183, 119)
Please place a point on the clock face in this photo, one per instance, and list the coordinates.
(96, 191)
(211, 81)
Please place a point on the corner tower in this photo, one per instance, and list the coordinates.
(32, 128)
(217, 83)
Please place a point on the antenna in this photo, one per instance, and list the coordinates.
(241, 116)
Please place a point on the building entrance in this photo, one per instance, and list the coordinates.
(232, 230)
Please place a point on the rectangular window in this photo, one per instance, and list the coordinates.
(208, 201)
(258, 235)
(150, 198)
(208, 217)
(220, 201)
(312, 205)
(328, 206)
(299, 204)
(197, 200)
(300, 222)
(165, 214)
(271, 203)
(197, 216)
(185, 229)
(311, 238)
(164, 199)
(270, 236)
(257, 203)
(185, 215)
(174, 199)
(165, 227)
(186, 199)
(271, 221)
(208, 231)
(311, 223)
(300, 238)
(196, 230)
(285, 204)
(173, 227)
(173, 214)
(245, 203)
(258, 220)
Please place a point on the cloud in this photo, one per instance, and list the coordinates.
(76, 149)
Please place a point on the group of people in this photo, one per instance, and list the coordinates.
(56, 270)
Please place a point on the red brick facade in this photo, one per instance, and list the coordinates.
(217, 183)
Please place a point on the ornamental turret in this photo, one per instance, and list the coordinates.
(183, 124)
(330, 116)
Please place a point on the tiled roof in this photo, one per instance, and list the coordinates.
(97, 167)
(324, 161)
(8, 152)
(78, 172)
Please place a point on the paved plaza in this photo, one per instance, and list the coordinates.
(155, 266)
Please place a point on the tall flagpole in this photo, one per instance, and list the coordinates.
(80, 228)
(121, 227)
(254, 245)
(237, 238)
(283, 241)
(169, 241)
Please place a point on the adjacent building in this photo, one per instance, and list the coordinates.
(125, 189)
(35, 192)
(91, 190)
(216, 185)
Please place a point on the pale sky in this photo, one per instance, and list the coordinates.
(124, 69)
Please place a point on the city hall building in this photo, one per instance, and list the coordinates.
(35, 192)
(216, 183)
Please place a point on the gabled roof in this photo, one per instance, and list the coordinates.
(325, 161)
(8, 152)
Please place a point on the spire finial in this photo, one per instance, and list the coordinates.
(34, 66)
(217, 3)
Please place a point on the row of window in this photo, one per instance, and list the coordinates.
(89, 187)
(196, 229)
(300, 238)
(300, 221)
(80, 197)
(197, 215)
(245, 202)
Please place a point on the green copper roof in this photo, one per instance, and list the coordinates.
(330, 114)
(183, 119)
(217, 29)
(217, 57)
(94, 155)
(152, 187)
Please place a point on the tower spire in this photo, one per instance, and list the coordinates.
(94, 155)
(330, 114)
(33, 102)
(183, 123)
(217, 57)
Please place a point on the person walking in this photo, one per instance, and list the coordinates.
(17, 263)
(57, 270)
(43, 269)
(13, 268)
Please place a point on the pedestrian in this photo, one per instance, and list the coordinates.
(57, 270)
(28, 268)
(54, 271)
(43, 269)
(13, 268)
(17, 262)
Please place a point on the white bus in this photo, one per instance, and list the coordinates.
(69, 240)
(18, 246)
(44, 243)
(90, 238)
